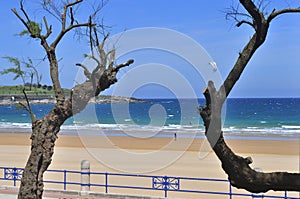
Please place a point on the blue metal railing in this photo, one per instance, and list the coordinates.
(158, 183)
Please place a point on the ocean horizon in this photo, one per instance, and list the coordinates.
(261, 118)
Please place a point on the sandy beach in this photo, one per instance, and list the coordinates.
(152, 156)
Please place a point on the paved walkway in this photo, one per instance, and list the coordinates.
(11, 193)
(14, 196)
(10, 196)
(7, 196)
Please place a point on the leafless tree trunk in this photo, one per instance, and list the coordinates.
(45, 130)
(240, 174)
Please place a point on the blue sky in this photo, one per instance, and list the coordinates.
(273, 72)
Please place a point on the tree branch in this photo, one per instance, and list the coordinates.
(82, 93)
(118, 67)
(63, 32)
(49, 7)
(48, 29)
(65, 29)
(101, 64)
(240, 65)
(100, 47)
(245, 22)
(28, 108)
(91, 37)
(261, 28)
(14, 10)
(22, 9)
(87, 73)
(64, 14)
(252, 10)
(72, 16)
(50, 52)
(274, 14)
(234, 13)
(112, 55)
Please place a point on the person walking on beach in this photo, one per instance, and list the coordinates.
(175, 136)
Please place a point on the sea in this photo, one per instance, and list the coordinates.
(243, 118)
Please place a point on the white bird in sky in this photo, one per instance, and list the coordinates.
(214, 65)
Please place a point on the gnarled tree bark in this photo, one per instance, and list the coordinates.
(240, 174)
(45, 130)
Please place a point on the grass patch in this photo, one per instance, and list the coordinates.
(18, 90)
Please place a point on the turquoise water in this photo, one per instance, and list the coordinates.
(241, 117)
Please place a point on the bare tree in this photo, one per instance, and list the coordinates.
(240, 174)
(45, 130)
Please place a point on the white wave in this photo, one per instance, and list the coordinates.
(93, 125)
(264, 131)
(284, 130)
(14, 125)
(173, 126)
(290, 127)
(252, 127)
(167, 102)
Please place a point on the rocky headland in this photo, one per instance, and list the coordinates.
(48, 99)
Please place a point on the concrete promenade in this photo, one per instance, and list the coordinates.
(7, 192)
